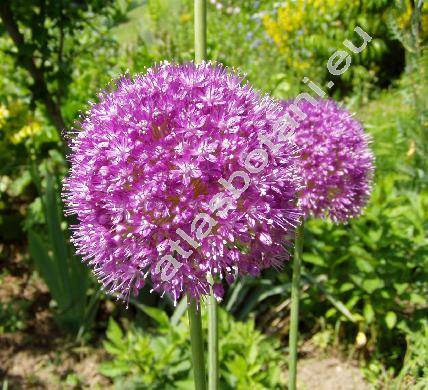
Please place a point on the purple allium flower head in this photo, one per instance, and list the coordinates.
(146, 164)
(337, 164)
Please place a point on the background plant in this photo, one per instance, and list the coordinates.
(307, 33)
(67, 278)
(159, 357)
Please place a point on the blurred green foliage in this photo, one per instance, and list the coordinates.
(377, 265)
(13, 315)
(414, 373)
(43, 40)
(67, 278)
(160, 358)
(307, 33)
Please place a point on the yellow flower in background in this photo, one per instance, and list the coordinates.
(184, 18)
(360, 340)
(4, 114)
(26, 132)
(297, 20)
(404, 20)
(18, 124)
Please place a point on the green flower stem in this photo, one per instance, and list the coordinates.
(200, 30)
(294, 320)
(212, 343)
(200, 55)
(197, 346)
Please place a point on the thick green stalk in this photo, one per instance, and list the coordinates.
(197, 346)
(212, 343)
(200, 55)
(294, 320)
(200, 30)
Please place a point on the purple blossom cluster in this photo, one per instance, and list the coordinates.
(336, 161)
(154, 175)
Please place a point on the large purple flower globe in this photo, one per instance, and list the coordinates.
(175, 175)
(336, 161)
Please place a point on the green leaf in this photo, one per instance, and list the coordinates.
(368, 313)
(418, 299)
(258, 295)
(156, 314)
(314, 259)
(45, 265)
(346, 287)
(390, 319)
(114, 369)
(238, 366)
(182, 366)
(112, 349)
(56, 237)
(400, 287)
(67, 278)
(364, 265)
(179, 311)
(371, 285)
(114, 333)
(375, 235)
(187, 384)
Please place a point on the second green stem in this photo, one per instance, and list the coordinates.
(295, 296)
(197, 343)
(213, 373)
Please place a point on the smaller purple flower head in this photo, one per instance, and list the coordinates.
(336, 161)
(171, 180)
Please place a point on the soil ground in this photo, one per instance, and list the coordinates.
(329, 373)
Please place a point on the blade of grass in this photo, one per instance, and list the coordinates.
(56, 237)
(44, 265)
(179, 311)
(261, 293)
(339, 305)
